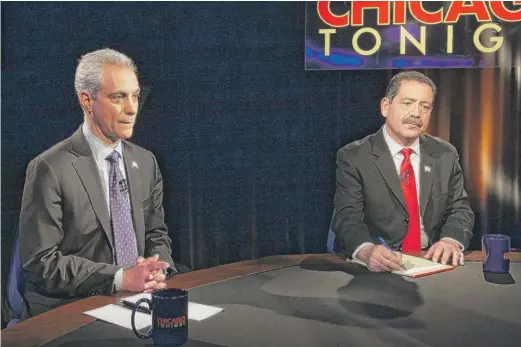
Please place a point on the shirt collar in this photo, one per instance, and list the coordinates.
(99, 149)
(395, 147)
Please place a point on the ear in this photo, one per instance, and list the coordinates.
(384, 107)
(86, 101)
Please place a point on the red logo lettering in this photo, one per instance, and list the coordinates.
(171, 322)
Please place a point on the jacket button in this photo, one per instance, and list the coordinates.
(406, 220)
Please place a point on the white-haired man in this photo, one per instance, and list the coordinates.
(92, 204)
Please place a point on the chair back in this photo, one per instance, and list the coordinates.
(15, 285)
(332, 244)
(331, 241)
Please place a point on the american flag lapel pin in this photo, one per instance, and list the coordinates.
(427, 168)
(134, 164)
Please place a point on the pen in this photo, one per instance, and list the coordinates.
(131, 305)
(382, 241)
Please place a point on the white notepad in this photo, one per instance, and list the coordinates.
(197, 312)
(121, 316)
(417, 267)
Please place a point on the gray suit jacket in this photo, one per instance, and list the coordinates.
(369, 201)
(66, 241)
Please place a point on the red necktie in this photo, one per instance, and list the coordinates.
(412, 242)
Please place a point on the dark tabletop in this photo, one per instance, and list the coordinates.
(321, 303)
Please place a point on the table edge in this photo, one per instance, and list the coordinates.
(69, 317)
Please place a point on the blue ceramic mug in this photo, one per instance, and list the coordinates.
(169, 317)
(496, 250)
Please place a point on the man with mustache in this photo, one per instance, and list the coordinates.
(402, 185)
(92, 204)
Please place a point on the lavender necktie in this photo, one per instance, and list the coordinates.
(121, 218)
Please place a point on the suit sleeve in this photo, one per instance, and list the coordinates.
(41, 233)
(458, 218)
(348, 221)
(157, 240)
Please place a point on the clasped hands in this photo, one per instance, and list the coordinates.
(380, 259)
(146, 276)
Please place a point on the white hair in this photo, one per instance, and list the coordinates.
(89, 73)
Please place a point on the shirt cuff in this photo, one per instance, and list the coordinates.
(456, 241)
(355, 253)
(118, 280)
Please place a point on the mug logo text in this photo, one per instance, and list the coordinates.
(171, 322)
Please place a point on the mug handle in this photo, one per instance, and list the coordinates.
(133, 318)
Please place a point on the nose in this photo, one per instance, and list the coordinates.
(416, 110)
(130, 107)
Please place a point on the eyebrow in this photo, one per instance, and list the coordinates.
(414, 100)
(124, 93)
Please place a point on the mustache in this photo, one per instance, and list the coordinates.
(413, 121)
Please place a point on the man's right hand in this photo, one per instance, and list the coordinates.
(137, 279)
(380, 259)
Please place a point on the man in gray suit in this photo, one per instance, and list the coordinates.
(92, 204)
(402, 185)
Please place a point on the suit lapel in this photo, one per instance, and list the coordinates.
(87, 171)
(385, 165)
(427, 167)
(134, 178)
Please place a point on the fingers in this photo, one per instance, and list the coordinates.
(382, 259)
(392, 261)
(141, 260)
(150, 260)
(376, 266)
(390, 264)
(447, 253)
(159, 277)
(150, 284)
(429, 253)
(156, 283)
(438, 251)
(443, 251)
(161, 285)
(458, 258)
(382, 265)
(455, 257)
(153, 274)
(158, 265)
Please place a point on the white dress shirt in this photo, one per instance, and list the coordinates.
(100, 151)
(395, 149)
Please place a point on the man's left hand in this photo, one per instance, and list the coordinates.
(444, 250)
(156, 276)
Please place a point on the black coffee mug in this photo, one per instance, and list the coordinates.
(496, 250)
(169, 317)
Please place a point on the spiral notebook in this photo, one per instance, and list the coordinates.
(418, 267)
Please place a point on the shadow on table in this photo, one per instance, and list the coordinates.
(390, 307)
(382, 296)
(501, 279)
(366, 297)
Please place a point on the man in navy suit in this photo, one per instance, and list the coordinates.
(402, 185)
